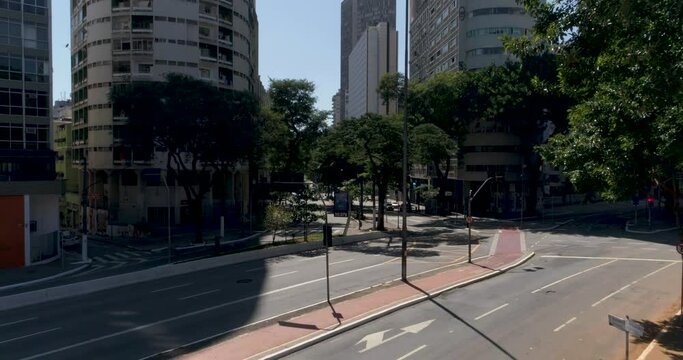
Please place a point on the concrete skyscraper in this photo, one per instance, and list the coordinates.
(374, 55)
(452, 35)
(119, 41)
(356, 17)
(29, 193)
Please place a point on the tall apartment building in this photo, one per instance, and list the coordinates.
(452, 35)
(29, 193)
(374, 55)
(462, 34)
(121, 41)
(356, 17)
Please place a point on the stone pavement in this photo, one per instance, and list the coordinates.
(317, 324)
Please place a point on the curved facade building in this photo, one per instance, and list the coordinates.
(451, 35)
(120, 41)
(462, 34)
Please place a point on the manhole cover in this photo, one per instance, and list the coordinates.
(244, 281)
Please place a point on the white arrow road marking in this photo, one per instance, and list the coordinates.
(377, 339)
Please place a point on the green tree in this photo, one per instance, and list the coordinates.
(621, 62)
(277, 218)
(189, 120)
(292, 125)
(373, 143)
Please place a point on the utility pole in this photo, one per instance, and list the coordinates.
(404, 235)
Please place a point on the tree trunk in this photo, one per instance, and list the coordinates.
(382, 189)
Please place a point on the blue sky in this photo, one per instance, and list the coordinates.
(298, 39)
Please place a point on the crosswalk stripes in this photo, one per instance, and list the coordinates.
(116, 260)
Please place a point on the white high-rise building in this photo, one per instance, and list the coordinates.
(122, 41)
(374, 55)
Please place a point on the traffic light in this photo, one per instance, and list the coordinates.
(650, 201)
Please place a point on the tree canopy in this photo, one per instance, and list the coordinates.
(621, 62)
(197, 127)
(292, 125)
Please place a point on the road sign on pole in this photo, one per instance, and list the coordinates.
(626, 325)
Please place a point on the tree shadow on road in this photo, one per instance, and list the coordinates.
(463, 321)
(670, 332)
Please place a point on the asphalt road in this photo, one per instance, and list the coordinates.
(136, 321)
(556, 306)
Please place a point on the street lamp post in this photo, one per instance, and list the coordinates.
(470, 220)
(404, 232)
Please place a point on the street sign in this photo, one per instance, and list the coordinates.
(627, 325)
(679, 248)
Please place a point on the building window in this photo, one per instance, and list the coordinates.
(145, 68)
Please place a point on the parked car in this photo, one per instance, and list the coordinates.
(392, 206)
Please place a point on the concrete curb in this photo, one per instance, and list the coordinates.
(37, 281)
(362, 321)
(163, 271)
(648, 231)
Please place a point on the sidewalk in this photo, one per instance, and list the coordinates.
(320, 323)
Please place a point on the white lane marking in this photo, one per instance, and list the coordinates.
(201, 311)
(571, 276)
(29, 335)
(340, 262)
(522, 239)
(491, 312)
(606, 258)
(565, 324)
(412, 352)
(255, 269)
(284, 274)
(312, 258)
(494, 244)
(628, 285)
(170, 288)
(18, 321)
(200, 294)
(93, 269)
